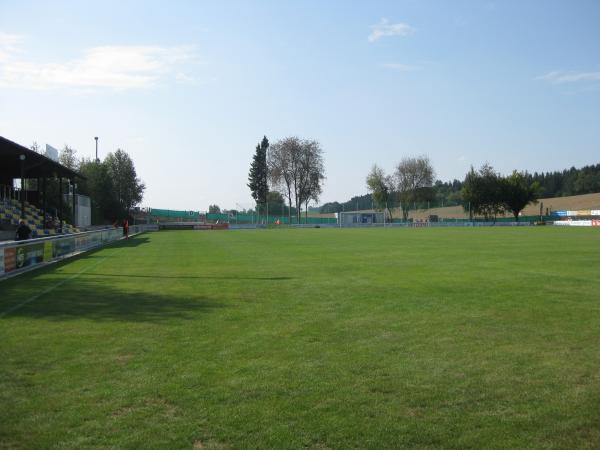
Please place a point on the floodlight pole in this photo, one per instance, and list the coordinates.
(96, 138)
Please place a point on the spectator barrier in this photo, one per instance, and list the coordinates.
(19, 256)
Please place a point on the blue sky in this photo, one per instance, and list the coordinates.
(189, 88)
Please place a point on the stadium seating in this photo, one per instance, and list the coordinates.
(10, 212)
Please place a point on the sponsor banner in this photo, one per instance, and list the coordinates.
(580, 212)
(63, 247)
(29, 255)
(48, 250)
(81, 242)
(10, 259)
(1, 260)
(87, 241)
(596, 223)
(575, 223)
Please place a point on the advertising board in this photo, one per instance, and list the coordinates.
(63, 247)
(10, 259)
(48, 250)
(28, 255)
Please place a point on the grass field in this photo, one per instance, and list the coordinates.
(316, 338)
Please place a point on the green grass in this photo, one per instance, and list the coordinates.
(316, 338)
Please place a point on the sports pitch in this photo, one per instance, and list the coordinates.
(315, 338)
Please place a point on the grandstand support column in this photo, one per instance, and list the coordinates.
(22, 158)
(60, 202)
(73, 200)
(45, 204)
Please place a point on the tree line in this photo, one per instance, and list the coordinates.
(487, 193)
(112, 184)
(571, 181)
(484, 192)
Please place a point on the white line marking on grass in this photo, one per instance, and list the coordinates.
(51, 288)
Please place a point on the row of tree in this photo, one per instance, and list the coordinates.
(487, 193)
(291, 168)
(112, 184)
(573, 181)
(484, 192)
(411, 181)
(585, 180)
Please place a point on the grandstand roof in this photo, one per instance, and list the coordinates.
(36, 165)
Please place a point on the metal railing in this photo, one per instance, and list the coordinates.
(19, 256)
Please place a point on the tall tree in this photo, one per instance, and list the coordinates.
(98, 185)
(517, 192)
(67, 157)
(414, 177)
(276, 203)
(257, 177)
(128, 188)
(381, 187)
(483, 192)
(312, 190)
(312, 174)
(296, 169)
(283, 165)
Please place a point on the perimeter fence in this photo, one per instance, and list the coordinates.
(19, 256)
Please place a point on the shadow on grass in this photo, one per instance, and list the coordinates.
(182, 277)
(81, 298)
(93, 253)
(81, 295)
(133, 241)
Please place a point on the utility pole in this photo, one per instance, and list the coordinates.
(96, 138)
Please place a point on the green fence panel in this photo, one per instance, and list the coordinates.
(155, 212)
(272, 219)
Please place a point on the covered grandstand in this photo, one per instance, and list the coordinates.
(29, 201)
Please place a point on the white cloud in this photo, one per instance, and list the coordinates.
(400, 67)
(9, 45)
(114, 67)
(559, 77)
(384, 28)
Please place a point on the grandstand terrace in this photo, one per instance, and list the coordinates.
(29, 201)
